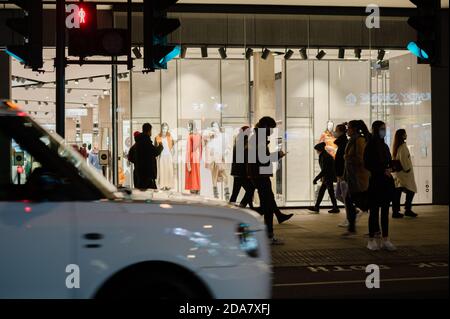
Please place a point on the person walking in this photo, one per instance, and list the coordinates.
(355, 174)
(260, 170)
(403, 176)
(83, 151)
(328, 176)
(239, 171)
(377, 160)
(145, 161)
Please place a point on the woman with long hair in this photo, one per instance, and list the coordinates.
(355, 174)
(403, 176)
(377, 160)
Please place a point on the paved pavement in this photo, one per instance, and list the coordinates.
(315, 262)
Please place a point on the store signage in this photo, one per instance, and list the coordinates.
(373, 19)
(405, 98)
(76, 112)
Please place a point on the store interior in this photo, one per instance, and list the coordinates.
(211, 95)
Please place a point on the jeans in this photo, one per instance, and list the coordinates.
(267, 201)
(350, 209)
(397, 198)
(374, 216)
(326, 186)
(244, 182)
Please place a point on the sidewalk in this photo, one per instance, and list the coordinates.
(315, 239)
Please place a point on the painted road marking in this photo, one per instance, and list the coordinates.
(357, 281)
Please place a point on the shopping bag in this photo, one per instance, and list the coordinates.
(341, 191)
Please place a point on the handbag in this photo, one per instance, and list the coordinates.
(341, 191)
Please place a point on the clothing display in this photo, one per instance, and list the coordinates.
(193, 158)
(165, 161)
(328, 138)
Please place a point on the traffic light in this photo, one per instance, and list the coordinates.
(426, 22)
(156, 29)
(87, 40)
(30, 27)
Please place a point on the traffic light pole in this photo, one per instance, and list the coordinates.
(60, 66)
(114, 106)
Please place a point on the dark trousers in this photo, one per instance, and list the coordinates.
(148, 184)
(350, 209)
(267, 201)
(398, 196)
(326, 186)
(244, 182)
(374, 217)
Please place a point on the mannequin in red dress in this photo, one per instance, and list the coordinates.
(193, 158)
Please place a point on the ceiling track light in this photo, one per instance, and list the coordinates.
(358, 53)
(77, 82)
(341, 53)
(223, 52)
(288, 54)
(380, 56)
(204, 50)
(265, 53)
(183, 52)
(91, 80)
(137, 53)
(248, 53)
(320, 54)
(304, 53)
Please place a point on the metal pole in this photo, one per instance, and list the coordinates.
(114, 106)
(60, 66)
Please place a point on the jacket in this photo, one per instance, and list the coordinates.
(339, 162)
(327, 169)
(377, 159)
(260, 165)
(145, 161)
(405, 178)
(355, 173)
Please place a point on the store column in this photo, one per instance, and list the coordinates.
(87, 127)
(264, 86)
(104, 122)
(5, 93)
(71, 130)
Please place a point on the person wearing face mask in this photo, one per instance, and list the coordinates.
(355, 174)
(403, 176)
(377, 160)
(340, 133)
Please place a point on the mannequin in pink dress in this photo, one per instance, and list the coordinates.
(193, 158)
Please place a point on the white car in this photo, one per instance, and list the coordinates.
(68, 233)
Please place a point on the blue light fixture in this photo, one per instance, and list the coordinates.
(172, 54)
(417, 51)
(14, 56)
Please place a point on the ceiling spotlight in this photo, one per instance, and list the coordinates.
(137, 53)
(46, 113)
(15, 101)
(223, 53)
(320, 54)
(66, 82)
(69, 91)
(183, 51)
(248, 53)
(13, 78)
(265, 53)
(105, 92)
(45, 103)
(120, 75)
(23, 80)
(358, 53)
(76, 82)
(341, 53)
(91, 80)
(204, 52)
(26, 87)
(107, 77)
(39, 103)
(303, 54)
(380, 56)
(288, 54)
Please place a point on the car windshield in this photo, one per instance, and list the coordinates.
(56, 144)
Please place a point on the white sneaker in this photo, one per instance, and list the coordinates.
(372, 244)
(343, 224)
(386, 244)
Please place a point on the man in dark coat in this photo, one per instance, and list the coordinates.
(132, 158)
(328, 176)
(260, 170)
(145, 158)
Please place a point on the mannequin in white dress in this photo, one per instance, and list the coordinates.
(165, 159)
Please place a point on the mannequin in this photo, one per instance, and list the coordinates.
(193, 158)
(216, 152)
(328, 138)
(165, 159)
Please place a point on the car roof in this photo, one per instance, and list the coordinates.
(9, 108)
